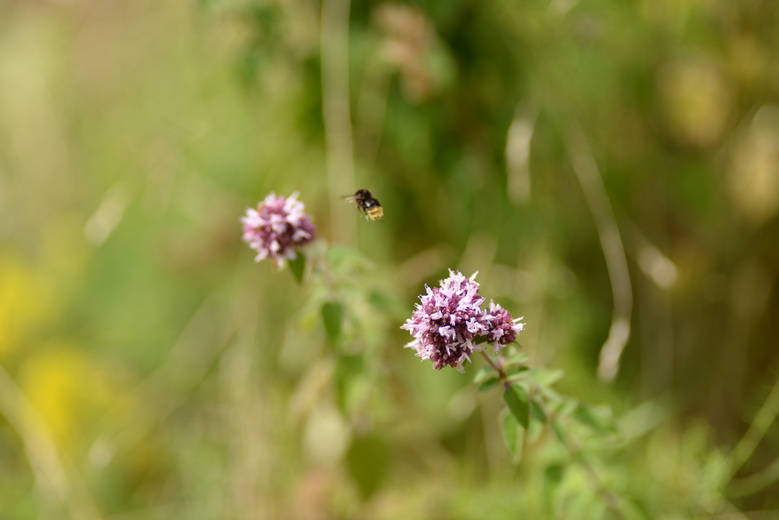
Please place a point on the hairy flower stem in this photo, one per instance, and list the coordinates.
(501, 374)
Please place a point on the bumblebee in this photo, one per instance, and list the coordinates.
(369, 206)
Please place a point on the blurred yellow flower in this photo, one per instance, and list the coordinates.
(67, 389)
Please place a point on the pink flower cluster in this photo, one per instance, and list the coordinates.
(449, 323)
(277, 228)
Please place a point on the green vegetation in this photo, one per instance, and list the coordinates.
(610, 168)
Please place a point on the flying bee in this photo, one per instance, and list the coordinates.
(369, 206)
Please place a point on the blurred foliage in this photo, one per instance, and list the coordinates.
(150, 369)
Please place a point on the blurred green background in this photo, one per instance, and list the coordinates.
(610, 168)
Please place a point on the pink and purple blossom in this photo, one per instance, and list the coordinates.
(277, 228)
(503, 328)
(449, 323)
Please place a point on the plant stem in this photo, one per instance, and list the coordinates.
(763, 420)
(334, 49)
(501, 374)
(586, 170)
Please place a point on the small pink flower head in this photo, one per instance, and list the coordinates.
(277, 228)
(503, 328)
(447, 320)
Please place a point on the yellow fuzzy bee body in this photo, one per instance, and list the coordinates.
(367, 204)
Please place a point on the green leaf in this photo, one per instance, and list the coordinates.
(597, 418)
(350, 381)
(536, 410)
(516, 369)
(534, 431)
(516, 358)
(482, 374)
(553, 476)
(513, 436)
(368, 460)
(489, 383)
(559, 432)
(517, 400)
(297, 266)
(517, 373)
(332, 317)
(546, 377)
(566, 406)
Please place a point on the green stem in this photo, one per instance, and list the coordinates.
(334, 58)
(762, 422)
(501, 374)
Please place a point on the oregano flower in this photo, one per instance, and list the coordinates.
(277, 228)
(449, 323)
